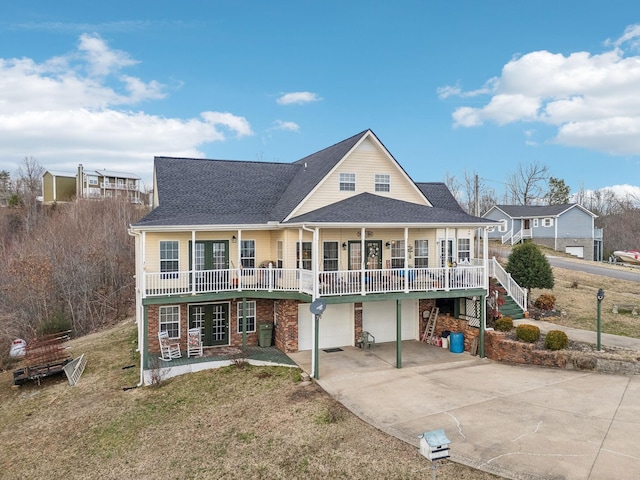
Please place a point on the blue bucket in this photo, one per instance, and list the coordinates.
(456, 342)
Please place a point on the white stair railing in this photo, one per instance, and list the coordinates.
(514, 290)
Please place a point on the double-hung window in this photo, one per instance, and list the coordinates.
(169, 254)
(251, 316)
(382, 182)
(170, 320)
(330, 256)
(464, 249)
(547, 222)
(347, 182)
(248, 253)
(397, 254)
(303, 259)
(421, 253)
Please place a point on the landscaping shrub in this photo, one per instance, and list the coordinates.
(504, 324)
(527, 333)
(556, 340)
(545, 302)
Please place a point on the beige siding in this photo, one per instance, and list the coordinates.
(266, 244)
(365, 161)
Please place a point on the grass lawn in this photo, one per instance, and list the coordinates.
(235, 422)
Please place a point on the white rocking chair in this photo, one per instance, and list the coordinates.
(169, 349)
(194, 343)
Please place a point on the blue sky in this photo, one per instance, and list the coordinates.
(450, 87)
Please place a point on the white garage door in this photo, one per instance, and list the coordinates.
(335, 327)
(379, 318)
(575, 251)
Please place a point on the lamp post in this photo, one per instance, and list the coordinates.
(600, 297)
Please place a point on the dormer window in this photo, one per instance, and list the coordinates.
(383, 182)
(347, 182)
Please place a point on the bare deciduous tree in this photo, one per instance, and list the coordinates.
(525, 184)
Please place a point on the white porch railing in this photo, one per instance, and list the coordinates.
(514, 290)
(345, 282)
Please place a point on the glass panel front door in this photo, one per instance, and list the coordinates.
(213, 319)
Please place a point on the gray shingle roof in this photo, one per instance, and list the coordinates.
(518, 211)
(439, 195)
(225, 192)
(370, 208)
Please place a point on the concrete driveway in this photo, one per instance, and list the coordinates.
(515, 421)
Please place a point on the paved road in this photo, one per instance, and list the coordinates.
(621, 272)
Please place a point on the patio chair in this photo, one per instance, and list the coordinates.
(194, 342)
(366, 340)
(169, 349)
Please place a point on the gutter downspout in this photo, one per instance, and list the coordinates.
(140, 241)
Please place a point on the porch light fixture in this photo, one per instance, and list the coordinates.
(344, 245)
(388, 244)
(234, 239)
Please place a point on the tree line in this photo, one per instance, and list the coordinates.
(532, 184)
(68, 266)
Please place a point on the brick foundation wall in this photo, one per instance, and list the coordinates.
(357, 320)
(286, 331)
(447, 322)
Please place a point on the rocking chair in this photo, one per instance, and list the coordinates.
(169, 349)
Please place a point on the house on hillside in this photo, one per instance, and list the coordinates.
(565, 228)
(64, 187)
(235, 248)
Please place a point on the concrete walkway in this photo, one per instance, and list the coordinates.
(518, 422)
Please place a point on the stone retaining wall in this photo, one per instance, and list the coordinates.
(499, 347)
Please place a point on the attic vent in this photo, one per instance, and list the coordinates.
(305, 165)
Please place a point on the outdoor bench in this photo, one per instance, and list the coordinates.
(625, 306)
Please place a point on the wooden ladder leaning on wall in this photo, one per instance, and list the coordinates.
(431, 325)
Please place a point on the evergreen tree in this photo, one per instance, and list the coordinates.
(558, 193)
(529, 267)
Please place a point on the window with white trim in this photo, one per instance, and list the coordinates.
(279, 254)
(170, 320)
(306, 255)
(547, 222)
(92, 180)
(330, 256)
(503, 226)
(535, 223)
(169, 255)
(464, 249)
(347, 182)
(251, 316)
(382, 182)
(248, 253)
(397, 253)
(421, 253)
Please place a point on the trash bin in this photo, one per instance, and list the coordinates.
(265, 334)
(456, 342)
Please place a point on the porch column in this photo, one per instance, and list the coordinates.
(406, 259)
(483, 322)
(363, 256)
(446, 259)
(143, 255)
(239, 257)
(485, 259)
(398, 334)
(315, 258)
(193, 262)
(244, 323)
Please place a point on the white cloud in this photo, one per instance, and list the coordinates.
(289, 126)
(591, 99)
(298, 98)
(79, 108)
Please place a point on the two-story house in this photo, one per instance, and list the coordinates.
(232, 245)
(60, 187)
(567, 228)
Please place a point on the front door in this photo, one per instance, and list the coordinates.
(446, 252)
(211, 265)
(372, 258)
(213, 320)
